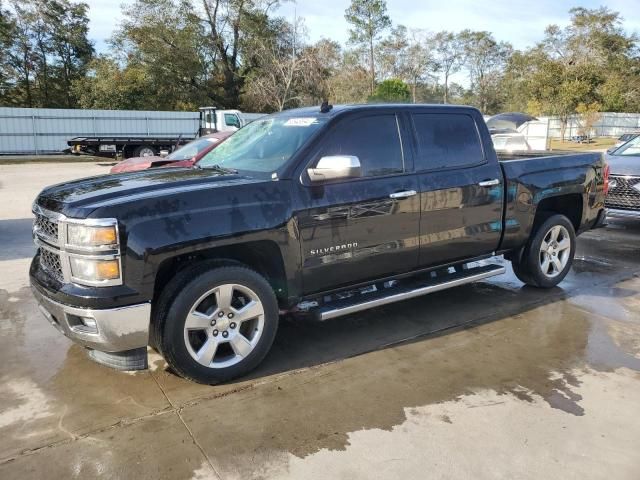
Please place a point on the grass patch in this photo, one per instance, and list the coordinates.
(597, 144)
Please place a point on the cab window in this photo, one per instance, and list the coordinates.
(375, 140)
(446, 140)
(231, 120)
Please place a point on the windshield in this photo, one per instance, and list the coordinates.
(630, 148)
(192, 149)
(264, 145)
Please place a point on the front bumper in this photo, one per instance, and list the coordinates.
(106, 330)
(620, 213)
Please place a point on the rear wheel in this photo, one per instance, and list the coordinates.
(548, 255)
(219, 325)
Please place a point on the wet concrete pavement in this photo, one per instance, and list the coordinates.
(490, 380)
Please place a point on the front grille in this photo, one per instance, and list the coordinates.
(50, 262)
(624, 195)
(46, 228)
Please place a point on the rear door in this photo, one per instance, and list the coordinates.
(361, 229)
(461, 190)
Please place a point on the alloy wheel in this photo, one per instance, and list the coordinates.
(224, 326)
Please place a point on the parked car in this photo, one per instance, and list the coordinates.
(509, 141)
(184, 156)
(314, 212)
(623, 199)
(503, 128)
(622, 139)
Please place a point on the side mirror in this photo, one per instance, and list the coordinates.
(335, 167)
(164, 153)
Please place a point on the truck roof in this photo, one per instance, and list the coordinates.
(337, 109)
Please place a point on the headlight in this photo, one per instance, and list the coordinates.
(91, 236)
(92, 270)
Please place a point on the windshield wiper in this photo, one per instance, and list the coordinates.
(219, 168)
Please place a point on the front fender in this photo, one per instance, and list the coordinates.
(156, 231)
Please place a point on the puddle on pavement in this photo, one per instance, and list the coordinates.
(50, 391)
(537, 354)
(589, 264)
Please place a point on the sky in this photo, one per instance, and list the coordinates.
(520, 22)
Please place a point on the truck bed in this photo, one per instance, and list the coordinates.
(530, 179)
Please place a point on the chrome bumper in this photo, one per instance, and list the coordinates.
(619, 213)
(108, 330)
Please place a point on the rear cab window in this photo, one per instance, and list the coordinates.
(446, 140)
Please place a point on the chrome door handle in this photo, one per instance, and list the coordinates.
(489, 183)
(404, 194)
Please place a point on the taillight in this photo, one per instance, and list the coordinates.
(606, 179)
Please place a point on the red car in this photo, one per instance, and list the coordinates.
(184, 156)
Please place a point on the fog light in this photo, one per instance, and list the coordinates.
(89, 322)
(82, 324)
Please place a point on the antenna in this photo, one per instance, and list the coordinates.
(325, 107)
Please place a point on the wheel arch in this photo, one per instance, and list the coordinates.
(263, 256)
(570, 205)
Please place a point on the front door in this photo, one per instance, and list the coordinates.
(361, 229)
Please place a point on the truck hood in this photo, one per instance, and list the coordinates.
(78, 198)
(624, 165)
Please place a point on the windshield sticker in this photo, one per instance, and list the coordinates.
(300, 122)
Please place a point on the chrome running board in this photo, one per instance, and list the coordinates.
(434, 285)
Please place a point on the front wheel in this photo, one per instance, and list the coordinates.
(549, 253)
(219, 325)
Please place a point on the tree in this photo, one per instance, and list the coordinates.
(419, 59)
(449, 57)
(590, 63)
(594, 36)
(620, 91)
(325, 63)
(46, 51)
(350, 82)
(407, 55)
(392, 90)
(369, 20)
(485, 59)
(282, 70)
(68, 30)
(108, 86)
(588, 115)
(165, 42)
(7, 26)
(392, 53)
(558, 89)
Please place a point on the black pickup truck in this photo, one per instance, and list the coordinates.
(319, 212)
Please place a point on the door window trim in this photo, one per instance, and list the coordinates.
(304, 178)
(483, 161)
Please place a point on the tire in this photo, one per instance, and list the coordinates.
(144, 151)
(232, 315)
(545, 266)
